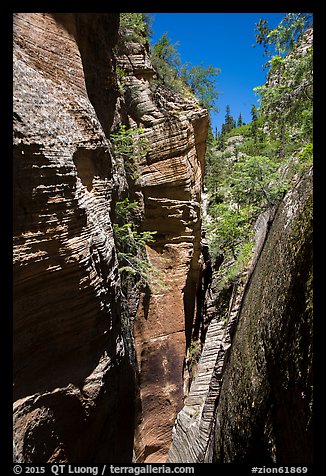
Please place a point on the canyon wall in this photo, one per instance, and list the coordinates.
(170, 181)
(98, 378)
(265, 407)
(74, 378)
(251, 400)
(100, 372)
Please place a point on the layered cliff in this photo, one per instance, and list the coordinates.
(102, 353)
(91, 367)
(74, 381)
(170, 181)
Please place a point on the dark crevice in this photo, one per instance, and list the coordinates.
(199, 330)
(96, 49)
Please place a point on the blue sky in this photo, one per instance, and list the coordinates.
(224, 40)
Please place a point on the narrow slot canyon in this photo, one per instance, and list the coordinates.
(133, 341)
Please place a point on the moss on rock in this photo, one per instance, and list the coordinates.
(265, 407)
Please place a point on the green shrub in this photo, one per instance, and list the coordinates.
(244, 130)
(134, 27)
(228, 228)
(231, 274)
(131, 146)
(130, 243)
(194, 352)
(186, 79)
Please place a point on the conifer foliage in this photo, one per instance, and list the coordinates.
(250, 167)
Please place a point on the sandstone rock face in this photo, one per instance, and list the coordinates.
(265, 408)
(74, 381)
(192, 434)
(170, 179)
(78, 345)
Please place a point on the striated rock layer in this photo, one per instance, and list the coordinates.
(79, 347)
(74, 379)
(170, 180)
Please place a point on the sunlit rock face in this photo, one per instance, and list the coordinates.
(73, 374)
(170, 179)
(88, 387)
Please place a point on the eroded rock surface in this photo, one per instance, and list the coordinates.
(76, 396)
(170, 179)
(193, 432)
(73, 372)
(251, 398)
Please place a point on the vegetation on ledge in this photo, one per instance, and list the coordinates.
(185, 79)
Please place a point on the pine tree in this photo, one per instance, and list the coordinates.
(254, 122)
(229, 123)
(282, 39)
(240, 122)
(254, 113)
(166, 59)
(201, 80)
